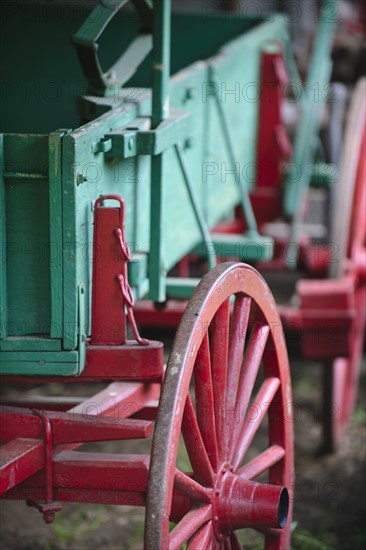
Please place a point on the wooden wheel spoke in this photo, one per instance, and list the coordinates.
(238, 330)
(220, 327)
(189, 487)
(249, 429)
(248, 375)
(188, 526)
(262, 462)
(205, 401)
(195, 446)
(235, 543)
(202, 538)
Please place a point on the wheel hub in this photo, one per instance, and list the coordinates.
(239, 503)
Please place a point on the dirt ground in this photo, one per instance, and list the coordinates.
(330, 500)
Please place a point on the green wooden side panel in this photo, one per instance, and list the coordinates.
(52, 181)
(27, 235)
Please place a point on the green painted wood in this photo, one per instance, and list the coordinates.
(324, 175)
(27, 235)
(34, 368)
(39, 363)
(239, 248)
(306, 140)
(55, 198)
(180, 287)
(42, 356)
(160, 111)
(3, 287)
(137, 269)
(35, 343)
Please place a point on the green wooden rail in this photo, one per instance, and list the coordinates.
(306, 140)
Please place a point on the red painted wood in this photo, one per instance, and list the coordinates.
(189, 487)
(70, 427)
(238, 331)
(262, 462)
(194, 444)
(263, 399)
(108, 316)
(41, 402)
(249, 372)
(326, 294)
(117, 363)
(188, 526)
(219, 345)
(130, 362)
(74, 469)
(205, 409)
(270, 150)
(147, 315)
(19, 459)
(203, 538)
(72, 494)
(149, 412)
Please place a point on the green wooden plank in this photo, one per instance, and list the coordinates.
(42, 356)
(55, 197)
(241, 248)
(3, 293)
(137, 269)
(29, 344)
(28, 244)
(180, 287)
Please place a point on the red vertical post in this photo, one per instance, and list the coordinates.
(273, 146)
(109, 261)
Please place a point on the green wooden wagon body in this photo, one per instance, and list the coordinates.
(51, 176)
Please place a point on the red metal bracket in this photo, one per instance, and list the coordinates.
(111, 291)
(48, 508)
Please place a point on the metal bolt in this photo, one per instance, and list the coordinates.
(188, 143)
(80, 178)
(49, 517)
(190, 93)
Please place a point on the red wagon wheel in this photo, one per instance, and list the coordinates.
(349, 234)
(206, 397)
